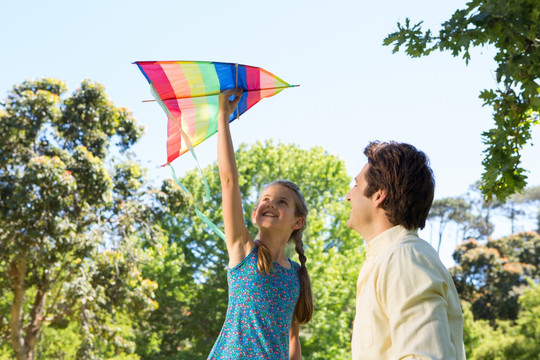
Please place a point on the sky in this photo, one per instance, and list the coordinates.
(352, 88)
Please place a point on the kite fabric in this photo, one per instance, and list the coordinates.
(188, 92)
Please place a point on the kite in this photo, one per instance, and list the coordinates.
(188, 93)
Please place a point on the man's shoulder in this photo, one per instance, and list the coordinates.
(415, 243)
(411, 242)
(411, 249)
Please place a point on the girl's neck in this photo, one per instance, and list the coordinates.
(276, 245)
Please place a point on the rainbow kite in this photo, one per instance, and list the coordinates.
(188, 92)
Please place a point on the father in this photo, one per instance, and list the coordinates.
(407, 306)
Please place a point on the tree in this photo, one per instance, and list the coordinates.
(481, 211)
(469, 212)
(67, 222)
(193, 295)
(474, 331)
(514, 208)
(510, 340)
(530, 197)
(491, 277)
(511, 211)
(447, 210)
(513, 28)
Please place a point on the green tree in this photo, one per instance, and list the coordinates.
(474, 331)
(67, 222)
(513, 28)
(193, 295)
(491, 277)
(519, 340)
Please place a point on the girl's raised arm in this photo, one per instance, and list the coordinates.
(238, 240)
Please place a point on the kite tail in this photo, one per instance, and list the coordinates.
(203, 217)
(190, 146)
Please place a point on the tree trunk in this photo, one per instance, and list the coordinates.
(17, 276)
(24, 339)
(512, 218)
(36, 319)
(538, 222)
(441, 231)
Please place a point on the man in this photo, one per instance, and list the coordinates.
(407, 306)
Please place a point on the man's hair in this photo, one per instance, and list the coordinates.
(403, 172)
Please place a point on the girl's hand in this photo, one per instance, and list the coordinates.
(227, 106)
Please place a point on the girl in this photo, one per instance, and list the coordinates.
(269, 295)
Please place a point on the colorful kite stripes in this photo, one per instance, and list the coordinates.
(189, 93)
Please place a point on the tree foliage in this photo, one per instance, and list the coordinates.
(192, 267)
(518, 339)
(512, 27)
(491, 277)
(67, 220)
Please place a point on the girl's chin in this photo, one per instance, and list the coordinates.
(266, 224)
(267, 220)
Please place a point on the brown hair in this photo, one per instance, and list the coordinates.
(403, 172)
(304, 306)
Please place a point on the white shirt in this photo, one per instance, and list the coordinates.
(407, 306)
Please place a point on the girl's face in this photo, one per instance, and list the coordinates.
(276, 209)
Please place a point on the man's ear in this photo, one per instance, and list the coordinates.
(379, 197)
(299, 223)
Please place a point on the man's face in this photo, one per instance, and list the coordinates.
(362, 207)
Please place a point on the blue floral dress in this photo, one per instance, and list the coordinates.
(261, 308)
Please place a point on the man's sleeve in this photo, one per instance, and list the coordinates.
(412, 292)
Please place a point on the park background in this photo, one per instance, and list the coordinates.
(352, 88)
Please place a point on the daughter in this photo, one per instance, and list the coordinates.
(269, 295)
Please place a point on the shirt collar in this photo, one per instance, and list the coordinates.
(384, 240)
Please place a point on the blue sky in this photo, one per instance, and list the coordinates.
(353, 89)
